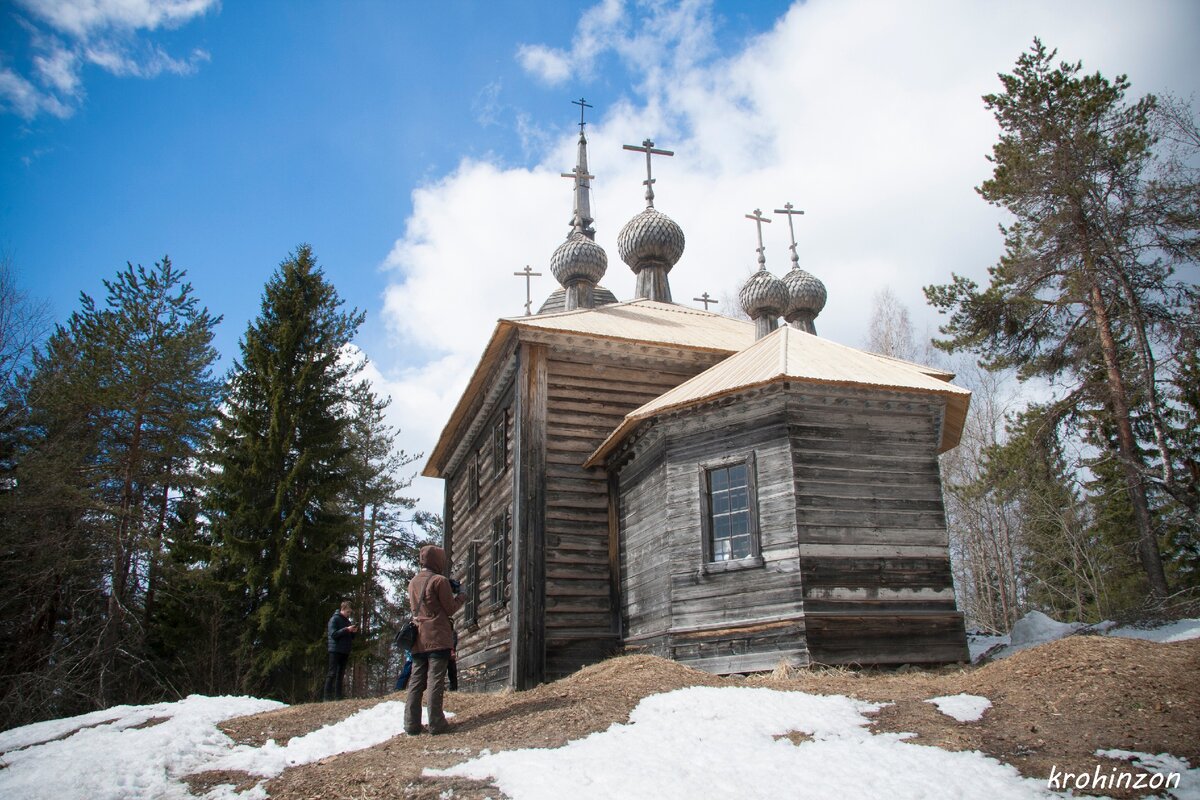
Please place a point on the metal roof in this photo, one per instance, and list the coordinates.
(649, 321)
(639, 321)
(788, 354)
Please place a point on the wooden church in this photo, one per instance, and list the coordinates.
(644, 476)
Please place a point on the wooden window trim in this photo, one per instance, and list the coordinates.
(500, 445)
(499, 559)
(473, 487)
(755, 559)
(471, 607)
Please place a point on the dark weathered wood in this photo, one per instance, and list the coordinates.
(528, 650)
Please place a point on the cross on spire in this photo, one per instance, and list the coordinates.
(704, 298)
(759, 219)
(583, 104)
(527, 274)
(647, 147)
(791, 212)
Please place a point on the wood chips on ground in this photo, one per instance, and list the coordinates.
(1055, 704)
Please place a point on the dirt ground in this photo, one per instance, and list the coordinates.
(1053, 704)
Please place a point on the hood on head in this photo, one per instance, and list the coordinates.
(433, 558)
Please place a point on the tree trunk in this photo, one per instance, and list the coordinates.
(1127, 447)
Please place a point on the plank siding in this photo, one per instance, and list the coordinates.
(867, 486)
(483, 650)
(588, 392)
(673, 605)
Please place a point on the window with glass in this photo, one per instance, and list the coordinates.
(500, 445)
(473, 482)
(471, 607)
(730, 529)
(499, 558)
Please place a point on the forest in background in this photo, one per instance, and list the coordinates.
(165, 531)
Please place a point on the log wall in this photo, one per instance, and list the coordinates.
(590, 388)
(483, 648)
(871, 528)
(723, 617)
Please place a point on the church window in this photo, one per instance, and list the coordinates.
(729, 513)
(500, 445)
(499, 558)
(471, 581)
(473, 483)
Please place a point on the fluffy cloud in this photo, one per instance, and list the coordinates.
(65, 35)
(866, 115)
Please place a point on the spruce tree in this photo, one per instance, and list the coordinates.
(281, 467)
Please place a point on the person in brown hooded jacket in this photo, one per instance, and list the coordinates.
(433, 603)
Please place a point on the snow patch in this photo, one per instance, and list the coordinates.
(962, 707)
(1163, 764)
(721, 742)
(1178, 631)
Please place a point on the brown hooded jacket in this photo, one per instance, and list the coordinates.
(430, 591)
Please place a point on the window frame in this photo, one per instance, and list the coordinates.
(473, 482)
(471, 579)
(499, 559)
(705, 470)
(500, 445)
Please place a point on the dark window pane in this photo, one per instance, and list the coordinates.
(739, 498)
(740, 547)
(721, 527)
(737, 475)
(718, 480)
(739, 523)
(720, 503)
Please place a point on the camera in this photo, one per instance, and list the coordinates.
(455, 586)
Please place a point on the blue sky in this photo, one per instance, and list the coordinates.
(417, 147)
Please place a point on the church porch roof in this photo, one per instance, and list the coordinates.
(788, 354)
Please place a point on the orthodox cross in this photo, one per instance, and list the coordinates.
(791, 212)
(704, 298)
(648, 148)
(759, 219)
(582, 105)
(528, 274)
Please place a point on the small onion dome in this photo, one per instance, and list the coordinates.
(806, 294)
(578, 258)
(763, 295)
(650, 239)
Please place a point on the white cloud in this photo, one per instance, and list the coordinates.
(82, 18)
(866, 115)
(102, 33)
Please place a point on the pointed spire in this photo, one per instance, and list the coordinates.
(582, 220)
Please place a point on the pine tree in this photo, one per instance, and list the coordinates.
(281, 468)
(1087, 257)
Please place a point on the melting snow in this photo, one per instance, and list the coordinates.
(963, 707)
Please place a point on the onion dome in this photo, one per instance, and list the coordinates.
(650, 239)
(578, 259)
(806, 294)
(763, 295)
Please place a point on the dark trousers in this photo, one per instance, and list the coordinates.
(429, 670)
(333, 678)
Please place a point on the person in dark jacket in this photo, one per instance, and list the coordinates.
(433, 602)
(340, 635)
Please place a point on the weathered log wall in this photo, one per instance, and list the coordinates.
(736, 616)
(590, 388)
(871, 527)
